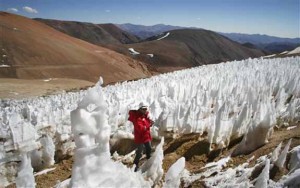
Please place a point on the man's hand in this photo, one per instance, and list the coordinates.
(151, 122)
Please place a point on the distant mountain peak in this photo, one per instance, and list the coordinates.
(144, 32)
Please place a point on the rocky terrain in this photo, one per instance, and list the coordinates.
(11, 88)
(99, 34)
(194, 148)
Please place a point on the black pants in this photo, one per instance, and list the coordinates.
(139, 150)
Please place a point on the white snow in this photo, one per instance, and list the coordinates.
(63, 184)
(93, 166)
(151, 55)
(215, 166)
(262, 179)
(226, 100)
(152, 169)
(44, 171)
(282, 157)
(4, 65)
(294, 162)
(133, 52)
(172, 178)
(293, 180)
(167, 34)
(275, 153)
(43, 157)
(272, 55)
(290, 128)
(25, 176)
(240, 176)
(295, 51)
(284, 52)
(237, 177)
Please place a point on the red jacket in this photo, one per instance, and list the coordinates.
(142, 124)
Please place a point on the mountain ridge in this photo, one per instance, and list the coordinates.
(189, 48)
(99, 34)
(167, 55)
(145, 32)
(33, 50)
(133, 33)
(259, 38)
(270, 44)
(230, 34)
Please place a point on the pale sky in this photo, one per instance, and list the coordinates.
(272, 17)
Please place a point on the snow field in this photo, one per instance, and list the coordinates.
(226, 100)
(93, 166)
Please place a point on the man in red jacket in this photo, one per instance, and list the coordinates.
(142, 137)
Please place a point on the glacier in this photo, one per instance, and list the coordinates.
(226, 100)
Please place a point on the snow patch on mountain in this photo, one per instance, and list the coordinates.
(151, 55)
(295, 51)
(133, 52)
(166, 35)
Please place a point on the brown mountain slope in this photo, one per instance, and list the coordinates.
(182, 48)
(99, 34)
(33, 50)
(190, 47)
(122, 36)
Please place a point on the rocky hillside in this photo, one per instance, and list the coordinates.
(267, 43)
(145, 32)
(99, 34)
(33, 50)
(190, 47)
(182, 48)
